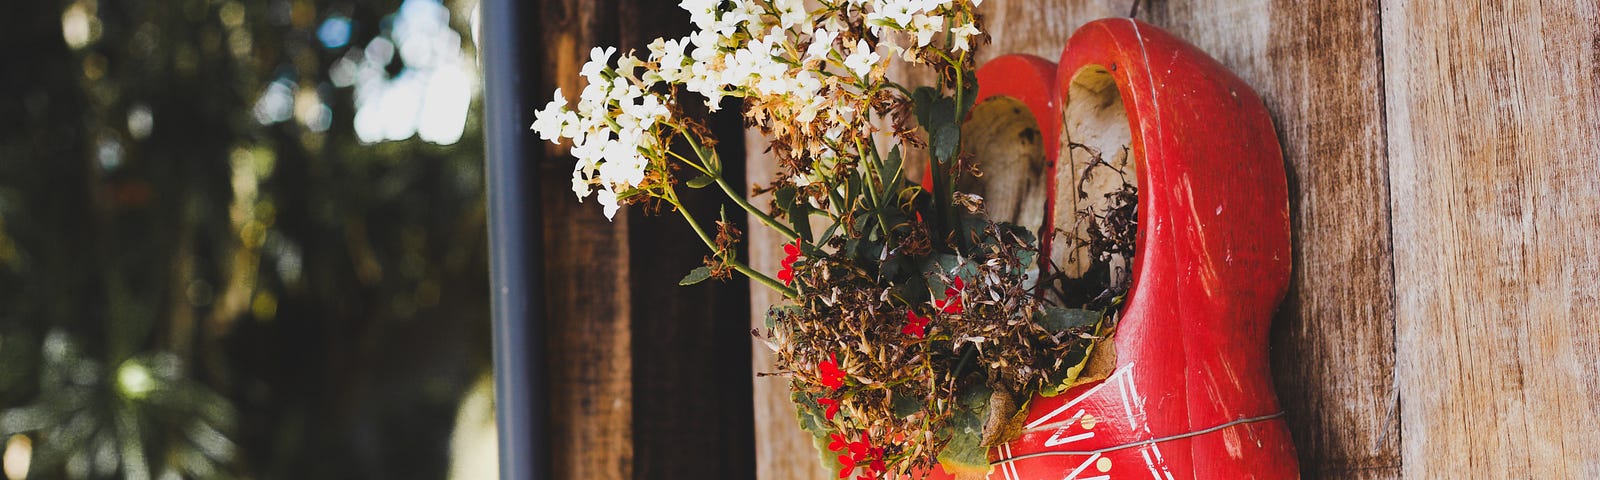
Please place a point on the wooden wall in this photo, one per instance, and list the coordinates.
(1444, 172)
(648, 380)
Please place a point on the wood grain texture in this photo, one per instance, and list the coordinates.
(587, 321)
(1316, 64)
(587, 307)
(783, 450)
(691, 344)
(1494, 127)
(645, 381)
(1040, 28)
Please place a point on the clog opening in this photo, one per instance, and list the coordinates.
(1003, 136)
(1097, 163)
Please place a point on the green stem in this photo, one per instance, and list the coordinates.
(711, 167)
(756, 212)
(875, 167)
(770, 282)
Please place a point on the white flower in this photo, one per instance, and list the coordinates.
(626, 64)
(608, 199)
(623, 91)
(701, 12)
(924, 27)
(622, 119)
(592, 100)
(580, 183)
(550, 121)
(668, 54)
(821, 44)
(808, 112)
(647, 112)
(623, 165)
(861, 60)
(589, 151)
(896, 13)
(598, 59)
(962, 36)
(790, 12)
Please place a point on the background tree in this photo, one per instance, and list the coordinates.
(215, 259)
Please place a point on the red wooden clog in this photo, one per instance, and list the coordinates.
(1190, 396)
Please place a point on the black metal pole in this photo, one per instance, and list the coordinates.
(515, 237)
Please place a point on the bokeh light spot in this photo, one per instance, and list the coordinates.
(134, 380)
(334, 32)
(19, 457)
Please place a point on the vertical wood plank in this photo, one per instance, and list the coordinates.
(1040, 28)
(692, 414)
(591, 395)
(587, 308)
(1494, 128)
(1317, 66)
(783, 450)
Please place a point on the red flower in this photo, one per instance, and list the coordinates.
(832, 376)
(916, 325)
(952, 298)
(831, 404)
(791, 253)
(858, 451)
(839, 442)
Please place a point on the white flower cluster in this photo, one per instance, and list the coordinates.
(808, 78)
(921, 20)
(614, 131)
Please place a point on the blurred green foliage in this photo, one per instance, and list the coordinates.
(197, 281)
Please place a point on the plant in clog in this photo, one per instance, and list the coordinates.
(924, 322)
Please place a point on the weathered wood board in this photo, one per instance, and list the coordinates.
(783, 451)
(647, 378)
(1494, 160)
(587, 309)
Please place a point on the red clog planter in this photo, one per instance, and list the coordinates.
(1190, 396)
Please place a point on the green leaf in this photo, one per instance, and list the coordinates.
(827, 457)
(947, 265)
(890, 174)
(796, 209)
(966, 452)
(701, 181)
(812, 421)
(864, 249)
(971, 230)
(784, 196)
(828, 233)
(922, 99)
(906, 405)
(944, 142)
(938, 116)
(1058, 319)
(695, 276)
(1076, 359)
(942, 112)
(810, 413)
